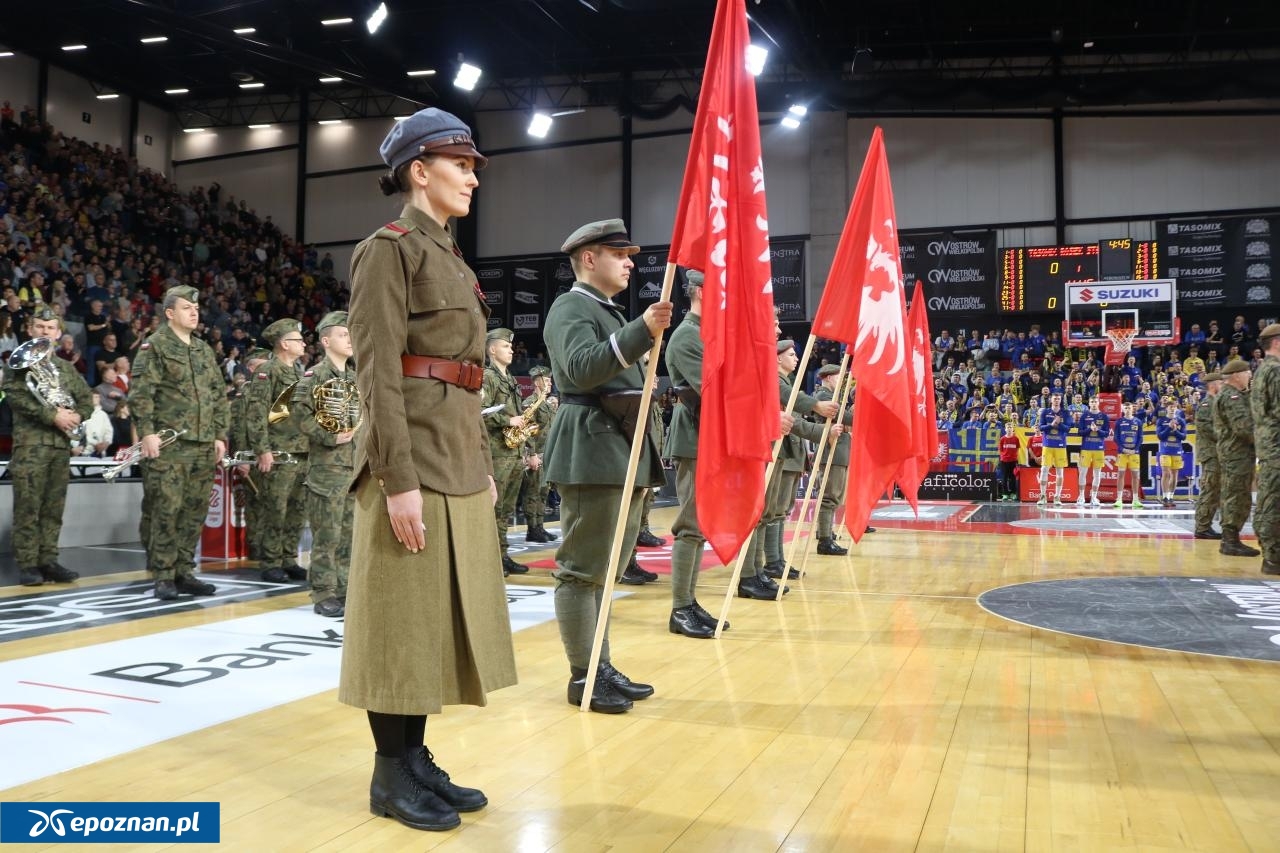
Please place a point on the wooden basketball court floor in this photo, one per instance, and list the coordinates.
(879, 707)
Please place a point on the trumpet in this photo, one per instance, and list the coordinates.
(248, 457)
(129, 457)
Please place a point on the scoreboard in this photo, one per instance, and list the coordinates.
(1033, 277)
(1126, 259)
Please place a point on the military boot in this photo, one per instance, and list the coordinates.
(828, 547)
(646, 539)
(1232, 546)
(58, 573)
(535, 534)
(774, 570)
(432, 777)
(510, 566)
(604, 698)
(30, 577)
(396, 792)
(1208, 533)
(1270, 568)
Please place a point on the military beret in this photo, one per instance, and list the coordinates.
(693, 278)
(499, 334)
(1237, 365)
(828, 370)
(606, 232)
(429, 131)
(539, 371)
(1270, 331)
(44, 314)
(182, 291)
(277, 330)
(1212, 377)
(333, 318)
(785, 344)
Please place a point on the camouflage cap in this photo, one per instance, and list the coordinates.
(333, 318)
(1270, 331)
(44, 314)
(1215, 376)
(499, 334)
(1238, 365)
(606, 232)
(829, 370)
(785, 344)
(277, 330)
(182, 291)
(258, 354)
(539, 371)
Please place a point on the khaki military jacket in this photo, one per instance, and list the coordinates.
(841, 457)
(684, 367)
(792, 456)
(594, 350)
(1233, 426)
(270, 381)
(33, 420)
(411, 292)
(1264, 401)
(1206, 436)
(179, 386)
(330, 463)
(500, 388)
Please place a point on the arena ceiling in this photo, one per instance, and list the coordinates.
(644, 56)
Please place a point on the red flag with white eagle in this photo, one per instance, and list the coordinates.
(924, 427)
(722, 229)
(864, 305)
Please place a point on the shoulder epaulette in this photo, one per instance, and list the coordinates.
(395, 230)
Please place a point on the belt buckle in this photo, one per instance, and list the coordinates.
(470, 376)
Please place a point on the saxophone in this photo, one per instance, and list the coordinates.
(515, 437)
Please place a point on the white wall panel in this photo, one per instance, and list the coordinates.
(267, 183)
(531, 201)
(786, 177)
(231, 140)
(347, 207)
(509, 129)
(19, 81)
(1125, 166)
(157, 124)
(347, 145)
(657, 167)
(70, 97)
(951, 172)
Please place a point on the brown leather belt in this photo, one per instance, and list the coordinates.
(460, 373)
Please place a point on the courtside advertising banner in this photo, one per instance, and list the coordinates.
(109, 823)
(958, 270)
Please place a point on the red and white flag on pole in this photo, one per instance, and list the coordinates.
(924, 427)
(863, 305)
(722, 229)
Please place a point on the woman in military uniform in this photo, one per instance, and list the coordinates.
(426, 615)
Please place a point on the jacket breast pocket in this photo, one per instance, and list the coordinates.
(440, 294)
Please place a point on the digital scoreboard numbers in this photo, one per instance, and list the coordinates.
(1032, 277)
(1127, 259)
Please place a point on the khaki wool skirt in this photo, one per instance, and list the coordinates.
(429, 629)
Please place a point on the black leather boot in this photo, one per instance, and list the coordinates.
(646, 539)
(632, 576)
(510, 566)
(165, 590)
(188, 585)
(432, 777)
(58, 573)
(275, 575)
(623, 685)
(295, 573)
(1232, 546)
(829, 548)
(1269, 568)
(1208, 533)
(395, 792)
(707, 618)
(774, 570)
(535, 534)
(684, 620)
(30, 577)
(604, 699)
(753, 586)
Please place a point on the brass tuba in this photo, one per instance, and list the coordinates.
(42, 378)
(514, 437)
(337, 404)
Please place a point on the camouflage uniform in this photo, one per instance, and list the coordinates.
(1265, 404)
(281, 493)
(250, 501)
(535, 488)
(178, 386)
(40, 465)
(1233, 427)
(1210, 495)
(330, 502)
(508, 463)
(837, 479)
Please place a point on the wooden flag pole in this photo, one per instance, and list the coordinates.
(826, 471)
(824, 444)
(624, 503)
(768, 474)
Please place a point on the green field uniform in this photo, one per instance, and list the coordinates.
(252, 502)
(281, 492)
(684, 366)
(1233, 427)
(1264, 401)
(838, 478)
(1210, 496)
(535, 487)
(780, 493)
(178, 386)
(40, 465)
(330, 502)
(508, 462)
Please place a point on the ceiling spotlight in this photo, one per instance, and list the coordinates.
(539, 125)
(422, 72)
(260, 126)
(245, 31)
(71, 47)
(154, 39)
(468, 77)
(108, 96)
(1088, 45)
(176, 91)
(330, 121)
(798, 110)
(401, 118)
(252, 85)
(756, 57)
(795, 112)
(5, 54)
(578, 111)
(790, 122)
(335, 22)
(375, 20)
(330, 79)
(193, 130)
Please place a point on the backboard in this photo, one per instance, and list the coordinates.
(1094, 307)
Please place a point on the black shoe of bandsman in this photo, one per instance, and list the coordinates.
(511, 567)
(58, 573)
(1269, 568)
(276, 575)
(753, 587)
(646, 539)
(623, 685)
(165, 590)
(631, 576)
(684, 620)
(331, 607)
(774, 570)
(604, 698)
(30, 577)
(829, 548)
(1208, 534)
(433, 777)
(707, 618)
(295, 573)
(535, 534)
(649, 577)
(1236, 548)
(396, 792)
(188, 585)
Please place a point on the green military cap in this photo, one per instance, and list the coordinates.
(539, 371)
(499, 334)
(44, 314)
(829, 370)
(333, 318)
(693, 278)
(182, 291)
(258, 353)
(785, 344)
(606, 232)
(1212, 377)
(1270, 331)
(1238, 365)
(277, 330)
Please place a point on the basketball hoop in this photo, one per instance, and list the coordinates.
(1120, 342)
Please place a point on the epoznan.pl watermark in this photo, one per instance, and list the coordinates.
(110, 823)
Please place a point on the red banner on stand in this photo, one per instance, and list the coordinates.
(223, 537)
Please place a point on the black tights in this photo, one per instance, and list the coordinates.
(396, 734)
